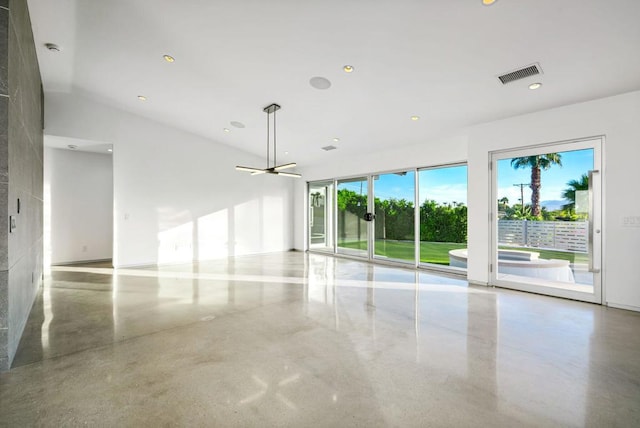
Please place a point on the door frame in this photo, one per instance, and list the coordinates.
(359, 254)
(449, 270)
(328, 217)
(416, 216)
(596, 221)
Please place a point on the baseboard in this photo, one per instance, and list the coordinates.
(625, 307)
(166, 264)
(140, 265)
(80, 261)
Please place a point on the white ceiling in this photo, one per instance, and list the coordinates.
(435, 59)
(67, 143)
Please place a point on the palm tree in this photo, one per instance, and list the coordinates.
(570, 192)
(537, 164)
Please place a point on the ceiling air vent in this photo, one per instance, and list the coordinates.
(530, 70)
(328, 148)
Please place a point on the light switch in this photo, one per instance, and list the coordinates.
(631, 221)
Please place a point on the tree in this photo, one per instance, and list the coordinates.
(353, 202)
(570, 192)
(394, 219)
(445, 222)
(537, 164)
(518, 212)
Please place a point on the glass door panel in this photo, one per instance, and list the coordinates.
(321, 216)
(394, 224)
(352, 205)
(443, 216)
(547, 223)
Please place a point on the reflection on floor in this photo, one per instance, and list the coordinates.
(107, 263)
(292, 339)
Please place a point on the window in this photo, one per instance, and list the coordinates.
(443, 215)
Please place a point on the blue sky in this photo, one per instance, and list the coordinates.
(441, 184)
(449, 184)
(396, 186)
(554, 180)
(444, 185)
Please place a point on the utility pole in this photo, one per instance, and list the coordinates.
(521, 185)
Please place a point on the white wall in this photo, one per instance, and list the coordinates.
(616, 118)
(177, 196)
(78, 193)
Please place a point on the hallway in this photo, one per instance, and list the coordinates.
(295, 339)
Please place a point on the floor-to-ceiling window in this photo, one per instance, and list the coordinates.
(394, 199)
(443, 215)
(352, 205)
(415, 216)
(321, 201)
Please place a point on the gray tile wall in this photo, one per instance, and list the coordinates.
(21, 170)
(4, 186)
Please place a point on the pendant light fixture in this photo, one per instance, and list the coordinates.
(271, 109)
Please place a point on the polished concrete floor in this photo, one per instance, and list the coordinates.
(292, 339)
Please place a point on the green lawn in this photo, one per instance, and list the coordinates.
(430, 252)
(438, 252)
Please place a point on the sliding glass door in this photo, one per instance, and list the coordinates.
(416, 216)
(394, 224)
(443, 216)
(352, 227)
(321, 200)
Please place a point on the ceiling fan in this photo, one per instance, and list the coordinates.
(275, 169)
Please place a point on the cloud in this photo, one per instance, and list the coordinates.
(445, 193)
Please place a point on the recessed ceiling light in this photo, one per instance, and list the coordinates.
(142, 98)
(110, 150)
(535, 85)
(52, 47)
(286, 153)
(320, 82)
(226, 130)
(237, 124)
(169, 58)
(488, 2)
(414, 118)
(348, 68)
(336, 139)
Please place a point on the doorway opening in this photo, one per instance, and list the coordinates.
(78, 202)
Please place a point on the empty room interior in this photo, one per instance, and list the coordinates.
(319, 213)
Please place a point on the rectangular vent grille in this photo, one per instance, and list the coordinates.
(327, 148)
(522, 73)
